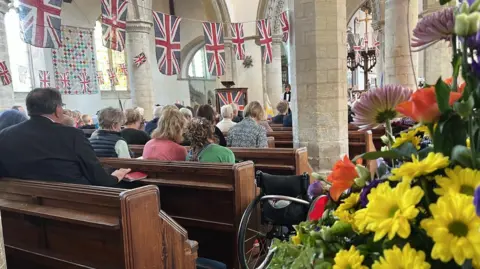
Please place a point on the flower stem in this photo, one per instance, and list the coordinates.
(431, 130)
(389, 133)
(454, 49)
(424, 183)
(472, 141)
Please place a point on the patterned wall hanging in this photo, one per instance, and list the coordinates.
(167, 43)
(238, 40)
(64, 80)
(76, 55)
(215, 48)
(285, 26)
(112, 76)
(139, 59)
(40, 22)
(114, 23)
(84, 80)
(265, 40)
(100, 78)
(44, 77)
(5, 74)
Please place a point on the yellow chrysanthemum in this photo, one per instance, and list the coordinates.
(410, 136)
(416, 168)
(349, 259)
(397, 258)
(389, 210)
(423, 129)
(468, 142)
(459, 180)
(296, 240)
(455, 229)
(343, 211)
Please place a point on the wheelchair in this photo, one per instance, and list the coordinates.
(282, 203)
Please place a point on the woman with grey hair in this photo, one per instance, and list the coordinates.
(187, 113)
(227, 119)
(107, 141)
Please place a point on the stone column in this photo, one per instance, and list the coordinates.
(437, 57)
(320, 93)
(274, 72)
(379, 26)
(6, 92)
(398, 66)
(140, 78)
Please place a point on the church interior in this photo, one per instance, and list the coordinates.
(361, 114)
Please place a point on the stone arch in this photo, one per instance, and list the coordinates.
(188, 52)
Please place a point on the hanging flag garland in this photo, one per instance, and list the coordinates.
(238, 40)
(5, 74)
(114, 23)
(84, 82)
(64, 80)
(285, 26)
(139, 59)
(44, 78)
(40, 22)
(376, 43)
(100, 79)
(265, 40)
(167, 43)
(112, 76)
(215, 48)
(123, 69)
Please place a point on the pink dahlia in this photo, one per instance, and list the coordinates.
(377, 106)
(433, 28)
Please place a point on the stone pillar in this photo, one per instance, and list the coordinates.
(274, 72)
(320, 93)
(6, 92)
(380, 67)
(140, 78)
(437, 58)
(398, 67)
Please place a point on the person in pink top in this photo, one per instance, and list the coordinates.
(164, 144)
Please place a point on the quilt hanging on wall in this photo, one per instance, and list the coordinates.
(74, 62)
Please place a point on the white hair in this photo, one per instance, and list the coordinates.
(186, 112)
(227, 111)
(140, 110)
(234, 107)
(157, 112)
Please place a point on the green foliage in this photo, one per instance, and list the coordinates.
(451, 131)
(442, 91)
(443, 2)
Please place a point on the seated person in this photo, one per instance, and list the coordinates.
(187, 113)
(107, 141)
(201, 134)
(152, 125)
(247, 133)
(207, 112)
(42, 149)
(237, 115)
(282, 108)
(87, 122)
(166, 138)
(11, 117)
(68, 121)
(132, 133)
(287, 120)
(265, 125)
(226, 123)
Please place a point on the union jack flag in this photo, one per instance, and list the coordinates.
(100, 79)
(40, 22)
(265, 40)
(84, 82)
(238, 40)
(114, 17)
(167, 43)
(285, 25)
(237, 97)
(65, 80)
(112, 76)
(44, 78)
(376, 43)
(5, 74)
(123, 69)
(140, 59)
(214, 47)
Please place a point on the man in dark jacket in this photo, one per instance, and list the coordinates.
(43, 149)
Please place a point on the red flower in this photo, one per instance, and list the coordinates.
(342, 177)
(423, 107)
(461, 87)
(316, 212)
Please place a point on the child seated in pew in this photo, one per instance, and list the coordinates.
(201, 134)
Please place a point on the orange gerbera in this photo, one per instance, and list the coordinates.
(423, 107)
(460, 88)
(342, 177)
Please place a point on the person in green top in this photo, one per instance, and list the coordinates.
(201, 134)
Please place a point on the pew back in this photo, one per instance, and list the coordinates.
(283, 139)
(57, 225)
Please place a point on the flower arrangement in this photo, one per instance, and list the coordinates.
(421, 207)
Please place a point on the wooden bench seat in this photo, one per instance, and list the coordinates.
(283, 139)
(58, 225)
(360, 142)
(207, 199)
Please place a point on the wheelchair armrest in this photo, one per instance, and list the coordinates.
(285, 198)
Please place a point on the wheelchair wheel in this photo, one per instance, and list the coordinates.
(254, 238)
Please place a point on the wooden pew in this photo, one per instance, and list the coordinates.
(360, 142)
(283, 139)
(60, 226)
(207, 199)
(88, 132)
(281, 128)
(376, 134)
(276, 161)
